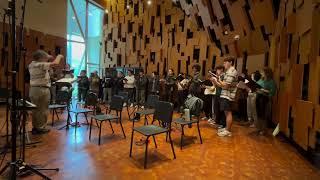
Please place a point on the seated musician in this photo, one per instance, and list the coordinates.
(39, 88)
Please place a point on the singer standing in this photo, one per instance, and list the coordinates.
(40, 88)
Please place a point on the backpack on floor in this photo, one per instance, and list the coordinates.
(194, 104)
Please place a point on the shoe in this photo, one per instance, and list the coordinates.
(124, 104)
(142, 107)
(204, 118)
(221, 129)
(40, 131)
(252, 126)
(225, 133)
(131, 105)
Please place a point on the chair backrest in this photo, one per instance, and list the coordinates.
(164, 112)
(125, 95)
(152, 101)
(117, 103)
(63, 97)
(92, 99)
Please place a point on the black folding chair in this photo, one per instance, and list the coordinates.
(63, 99)
(125, 96)
(163, 113)
(115, 105)
(62, 102)
(183, 123)
(149, 108)
(91, 100)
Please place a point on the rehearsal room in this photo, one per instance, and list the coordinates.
(160, 89)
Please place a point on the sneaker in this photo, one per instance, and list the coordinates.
(124, 104)
(224, 133)
(142, 107)
(252, 126)
(204, 118)
(221, 129)
(131, 105)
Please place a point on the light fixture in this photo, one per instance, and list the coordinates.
(107, 11)
(237, 37)
(128, 7)
(149, 2)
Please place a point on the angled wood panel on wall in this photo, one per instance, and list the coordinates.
(302, 122)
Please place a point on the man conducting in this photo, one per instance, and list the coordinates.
(39, 88)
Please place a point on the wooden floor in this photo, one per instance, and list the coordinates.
(243, 156)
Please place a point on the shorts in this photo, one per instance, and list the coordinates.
(225, 104)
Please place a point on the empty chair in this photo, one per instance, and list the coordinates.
(149, 108)
(163, 113)
(116, 105)
(91, 100)
(63, 99)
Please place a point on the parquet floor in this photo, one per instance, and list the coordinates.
(243, 156)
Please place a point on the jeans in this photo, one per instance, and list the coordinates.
(130, 94)
(251, 107)
(107, 94)
(140, 96)
(82, 94)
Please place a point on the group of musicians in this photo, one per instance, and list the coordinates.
(218, 90)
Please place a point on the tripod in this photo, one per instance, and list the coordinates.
(18, 165)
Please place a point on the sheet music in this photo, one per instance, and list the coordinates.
(67, 80)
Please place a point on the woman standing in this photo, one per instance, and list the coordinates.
(264, 99)
(95, 83)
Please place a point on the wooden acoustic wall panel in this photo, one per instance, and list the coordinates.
(317, 118)
(304, 17)
(262, 15)
(296, 83)
(283, 112)
(314, 81)
(302, 122)
(305, 47)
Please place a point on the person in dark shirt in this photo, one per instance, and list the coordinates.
(118, 83)
(83, 85)
(108, 83)
(141, 85)
(154, 85)
(195, 83)
(170, 85)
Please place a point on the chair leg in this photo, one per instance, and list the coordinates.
(52, 117)
(100, 132)
(90, 129)
(182, 134)
(131, 143)
(146, 153)
(166, 136)
(57, 115)
(86, 116)
(122, 128)
(110, 126)
(145, 120)
(154, 140)
(75, 128)
(174, 154)
(199, 132)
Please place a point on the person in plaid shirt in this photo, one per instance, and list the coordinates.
(228, 92)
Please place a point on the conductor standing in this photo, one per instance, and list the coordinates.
(40, 88)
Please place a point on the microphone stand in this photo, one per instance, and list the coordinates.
(18, 166)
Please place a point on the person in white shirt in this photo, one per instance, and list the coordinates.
(129, 83)
(39, 88)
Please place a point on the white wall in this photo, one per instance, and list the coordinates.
(49, 17)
